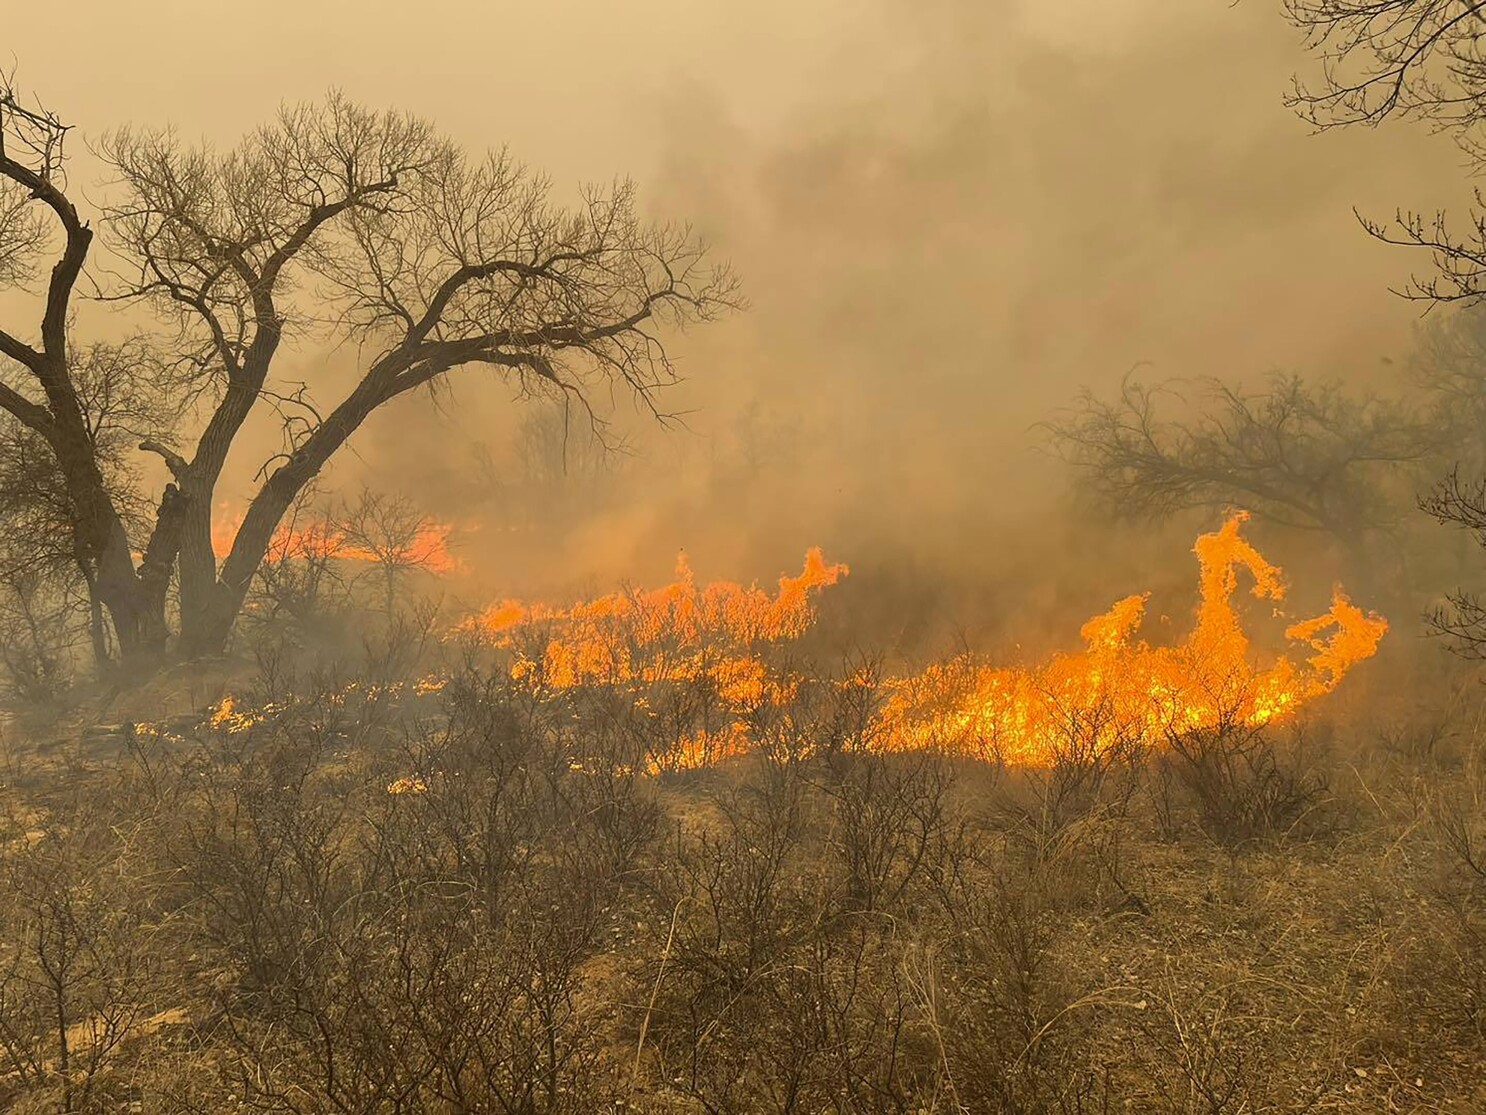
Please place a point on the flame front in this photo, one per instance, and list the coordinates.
(675, 633)
(1122, 690)
(716, 645)
(1117, 689)
(713, 635)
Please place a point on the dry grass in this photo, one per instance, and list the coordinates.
(543, 930)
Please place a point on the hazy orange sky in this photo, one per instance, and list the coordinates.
(948, 215)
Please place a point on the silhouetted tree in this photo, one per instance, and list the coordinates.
(1448, 366)
(1421, 60)
(121, 398)
(1296, 454)
(392, 536)
(335, 223)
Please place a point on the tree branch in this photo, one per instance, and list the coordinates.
(32, 415)
(173, 460)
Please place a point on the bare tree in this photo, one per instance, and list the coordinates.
(1462, 618)
(301, 584)
(334, 223)
(40, 576)
(1308, 457)
(392, 535)
(1425, 61)
(119, 390)
(1422, 60)
(1448, 367)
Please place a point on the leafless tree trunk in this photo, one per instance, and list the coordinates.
(31, 161)
(425, 257)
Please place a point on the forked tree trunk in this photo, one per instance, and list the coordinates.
(103, 547)
(138, 620)
(207, 619)
(209, 610)
(206, 628)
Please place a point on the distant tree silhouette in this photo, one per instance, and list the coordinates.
(1421, 60)
(1300, 455)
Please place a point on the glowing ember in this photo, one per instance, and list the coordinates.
(227, 716)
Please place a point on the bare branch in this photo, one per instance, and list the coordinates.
(362, 229)
(173, 460)
(1303, 456)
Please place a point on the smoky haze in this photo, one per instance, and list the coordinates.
(948, 216)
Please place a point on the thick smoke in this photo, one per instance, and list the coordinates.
(948, 216)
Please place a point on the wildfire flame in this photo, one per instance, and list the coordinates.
(681, 632)
(428, 548)
(678, 632)
(1118, 688)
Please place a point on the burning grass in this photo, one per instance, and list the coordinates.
(1132, 877)
(1135, 692)
(421, 543)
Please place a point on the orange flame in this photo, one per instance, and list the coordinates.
(427, 549)
(1121, 689)
(680, 631)
(1118, 688)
